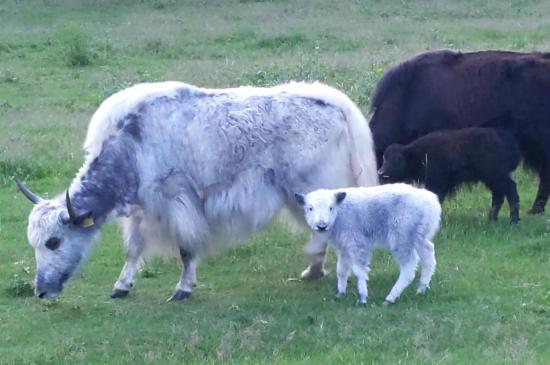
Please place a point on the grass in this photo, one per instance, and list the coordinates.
(490, 299)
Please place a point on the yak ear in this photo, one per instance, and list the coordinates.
(85, 220)
(340, 196)
(300, 198)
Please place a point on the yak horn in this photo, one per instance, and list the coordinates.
(35, 199)
(70, 209)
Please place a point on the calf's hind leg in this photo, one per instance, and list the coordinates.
(426, 252)
(407, 270)
(498, 199)
(543, 192)
(513, 200)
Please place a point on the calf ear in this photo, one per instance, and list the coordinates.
(300, 198)
(340, 196)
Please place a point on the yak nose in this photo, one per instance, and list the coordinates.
(322, 227)
(380, 171)
(41, 295)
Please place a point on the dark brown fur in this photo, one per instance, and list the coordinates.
(444, 160)
(451, 90)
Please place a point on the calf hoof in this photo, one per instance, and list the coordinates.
(422, 289)
(179, 295)
(387, 303)
(312, 273)
(119, 293)
(361, 303)
(536, 210)
(337, 296)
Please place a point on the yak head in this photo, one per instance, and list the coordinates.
(321, 208)
(61, 239)
(394, 164)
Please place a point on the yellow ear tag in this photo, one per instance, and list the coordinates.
(88, 222)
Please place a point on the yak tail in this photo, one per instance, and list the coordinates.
(363, 160)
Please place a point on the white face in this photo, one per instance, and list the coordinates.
(59, 246)
(321, 208)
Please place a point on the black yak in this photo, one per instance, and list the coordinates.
(444, 160)
(452, 90)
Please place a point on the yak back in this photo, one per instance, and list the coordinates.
(452, 90)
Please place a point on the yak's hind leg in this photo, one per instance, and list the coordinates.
(135, 244)
(188, 278)
(407, 270)
(426, 252)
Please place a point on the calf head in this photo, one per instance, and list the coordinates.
(394, 164)
(61, 239)
(321, 208)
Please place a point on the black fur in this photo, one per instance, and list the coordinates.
(449, 90)
(446, 159)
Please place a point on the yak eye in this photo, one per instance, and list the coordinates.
(53, 243)
(310, 208)
(331, 209)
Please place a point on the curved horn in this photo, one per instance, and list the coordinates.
(70, 209)
(29, 194)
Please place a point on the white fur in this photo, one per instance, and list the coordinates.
(398, 217)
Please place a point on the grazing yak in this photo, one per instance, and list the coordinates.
(398, 217)
(444, 160)
(452, 90)
(193, 169)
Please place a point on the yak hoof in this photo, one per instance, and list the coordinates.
(361, 303)
(312, 273)
(387, 303)
(514, 221)
(179, 295)
(119, 293)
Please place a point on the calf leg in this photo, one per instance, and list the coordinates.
(362, 274)
(343, 269)
(498, 199)
(513, 200)
(426, 253)
(316, 249)
(135, 244)
(543, 192)
(188, 277)
(407, 270)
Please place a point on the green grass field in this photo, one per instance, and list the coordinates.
(490, 297)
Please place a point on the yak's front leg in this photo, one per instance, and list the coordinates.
(188, 277)
(135, 244)
(316, 249)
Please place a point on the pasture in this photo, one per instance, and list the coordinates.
(489, 301)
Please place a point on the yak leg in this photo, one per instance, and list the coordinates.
(135, 244)
(316, 249)
(188, 277)
(543, 192)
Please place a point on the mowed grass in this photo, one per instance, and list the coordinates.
(490, 297)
